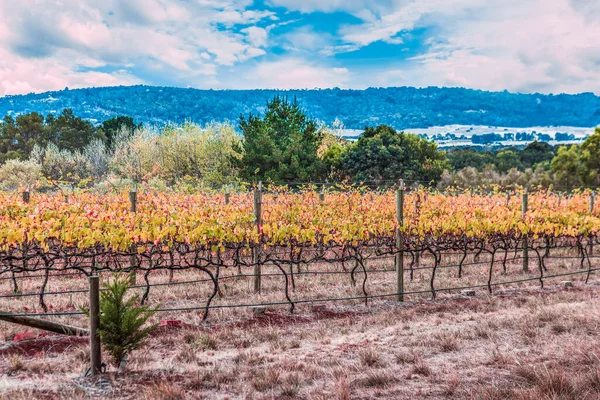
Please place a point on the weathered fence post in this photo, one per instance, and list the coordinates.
(133, 201)
(417, 262)
(227, 195)
(95, 354)
(592, 198)
(524, 206)
(399, 242)
(26, 195)
(322, 194)
(256, 248)
(133, 248)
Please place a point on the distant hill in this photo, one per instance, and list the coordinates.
(400, 107)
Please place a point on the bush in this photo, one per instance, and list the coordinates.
(16, 174)
(208, 154)
(121, 320)
(62, 166)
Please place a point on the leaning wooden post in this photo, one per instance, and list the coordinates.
(95, 354)
(399, 242)
(43, 324)
(524, 205)
(26, 195)
(322, 194)
(256, 248)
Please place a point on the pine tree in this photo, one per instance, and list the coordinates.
(121, 320)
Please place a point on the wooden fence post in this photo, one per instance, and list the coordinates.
(256, 248)
(591, 246)
(26, 195)
(95, 355)
(133, 201)
(132, 257)
(227, 195)
(399, 242)
(322, 194)
(417, 262)
(524, 207)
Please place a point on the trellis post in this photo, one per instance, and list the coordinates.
(133, 249)
(322, 194)
(133, 201)
(417, 213)
(256, 248)
(399, 242)
(524, 207)
(592, 199)
(95, 353)
(227, 195)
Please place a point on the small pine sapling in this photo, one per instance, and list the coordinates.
(121, 319)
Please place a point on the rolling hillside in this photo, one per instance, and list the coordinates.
(401, 107)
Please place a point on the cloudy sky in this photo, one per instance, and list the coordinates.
(520, 45)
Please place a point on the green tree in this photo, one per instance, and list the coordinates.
(111, 127)
(463, 158)
(74, 133)
(121, 319)
(506, 160)
(589, 171)
(19, 135)
(536, 153)
(566, 167)
(381, 153)
(282, 145)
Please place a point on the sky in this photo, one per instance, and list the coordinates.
(546, 46)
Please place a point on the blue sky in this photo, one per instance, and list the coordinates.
(548, 46)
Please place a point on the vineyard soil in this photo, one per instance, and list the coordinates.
(523, 343)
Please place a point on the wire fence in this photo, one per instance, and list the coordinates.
(316, 273)
(91, 264)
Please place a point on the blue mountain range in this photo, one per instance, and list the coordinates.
(399, 107)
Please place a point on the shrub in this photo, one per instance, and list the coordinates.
(16, 174)
(60, 165)
(121, 320)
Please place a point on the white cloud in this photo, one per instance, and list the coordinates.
(181, 39)
(293, 73)
(20, 75)
(256, 36)
(532, 45)
(352, 6)
(538, 45)
(305, 38)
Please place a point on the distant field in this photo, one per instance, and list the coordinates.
(464, 134)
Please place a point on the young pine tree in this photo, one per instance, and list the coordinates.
(121, 319)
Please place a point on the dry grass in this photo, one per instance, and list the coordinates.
(516, 344)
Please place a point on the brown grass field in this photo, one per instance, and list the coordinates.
(521, 342)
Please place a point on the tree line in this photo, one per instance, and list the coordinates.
(281, 145)
(400, 107)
